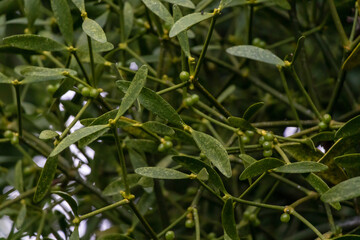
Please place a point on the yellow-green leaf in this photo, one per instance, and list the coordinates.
(158, 128)
(259, 167)
(94, 30)
(302, 167)
(250, 111)
(64, 19)
(161, 173)
(182, 36)
(345, 190)
(33, 42)
(159, 9)
(48, 134)
(188, 21)
(80, 4)
(19, 182)
(183, 3)
(350, 128)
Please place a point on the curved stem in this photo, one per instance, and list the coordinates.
(101, 210)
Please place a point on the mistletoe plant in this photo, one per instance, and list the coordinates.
(149, 119)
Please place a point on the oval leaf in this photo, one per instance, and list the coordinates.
(188, 21)
(48, 134)
(345, 190)
(259, 167)
(154, 103)
(64, 19)
(46, 177)
(196, 165)
(255, 53)
(350, 128)
(183, 3)
(161, 173)
(80, 4)
(158, 128)
(203, 175)
(142, 145)
(240, 123)
(228, 220)
(19, 182)
(134, 90)
(76, 136)
(33, 42)
(92, 137)
(116, 186)
(348, 160)
(4, 79)
(128, 19)
(31, 8)
(214, 151)
(21, 216)
(71, 201)
(302, 167)
(182, 36)
(75, 234)
(94, 30)
(250, 111)
(159, 9)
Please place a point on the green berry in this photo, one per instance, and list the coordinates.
(189, 223)
(169, 235)
(202, 155)
(8, 134)
(245, 139)
(323, 126)
(256, 42)
(80, 86)
(267, 153)
(285, 217)
(168, 144)
(14, 140)
(188, 101)
(51, 89)
(252, 217)
(85, 92)
(194, 98)
(247, 214)
(261, 140)
(211, 236)
(249, 133)
(267, 145)
(269, 136)
(94, 93)
(184, 76)
(327, 118)
(161, 147)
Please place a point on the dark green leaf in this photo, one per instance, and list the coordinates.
(46, 178)
(353, 60)
(196, 166)
(240, 123)
(255, 53)
(283, 4)
(76, 136)
(323, 137)
(48, 134)
(80, 4)
(19, 182)
(134, 90)
(159, 9)
(33, 42)
(250, 111)
(214, 151)
(116, 186)
(247, 159)
(144, 145)
(224, 3)
(302, 167)
(348, 160)
(92, 137)
(345, 190)
(65, 86)
(161, 173)
(158, 128)
(301, 152)
(259, 167)
(183, 3)
(104, 119)
(182, 36)
(320, 186)
(203, 175)
(31, 8)
(64, 19)
(21, 216)
(151, 101)
(94, 30)
(228, 220)
(350, 128)
(71, 201)
(128, 19)
(188, 21)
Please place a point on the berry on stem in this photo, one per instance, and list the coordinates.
(269, 136)
(249, 133)
(94, 93)
(184, 76)
(267, 145)
(285, 217)
(245, 139)
(85, 91)
(327, 118)
(267, 153)
(323, 126)
(8, 134)
(189, 223)
(169, 235)
(261, 140)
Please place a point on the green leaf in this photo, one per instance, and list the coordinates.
(76, 136)
(188, 21)
(91, 138)
(134, 90)
(116, 186)
(240, 123)
(228, 220)
(63, 17)
(321, 187)
(21, 216)
(323, 137)
(348, 160)
(94, 30)
(46, 177)
(80, 4)
(71, 201)
(65, 86)
(345, 190)
(97, 47)
(19, 182)
(39, 74)
(301, 152)
(350, 128)
(128, 19)
(48, 134)
(203, 175)
(302, 167)
(353, 60)
(75, 234)
(224, 3)
(250, 111)
(195, 166)
(114, 236)
(5, 79)
(183, 3)
(31, 8)
(104, 119)
(255, 53)
(154, 103)
(33, 42)
(259, 167)
(214, 151)
(182, 36)
(158, 128)
(159, 9)
(283, 4)
(161, 173)
(142, 145)
(247, 159)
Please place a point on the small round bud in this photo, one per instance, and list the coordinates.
(161, 147)
(94, 93)
(245, 139)
(267, 153)
(323, 126)
(261, 140)
(169, 235)
(249, 133)
(184, 76)
(267, 145)
(327, 118)
(189, 223)
(269, 136)
(8, 134)
(14, 140)
(85, 92)
(285, 217)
